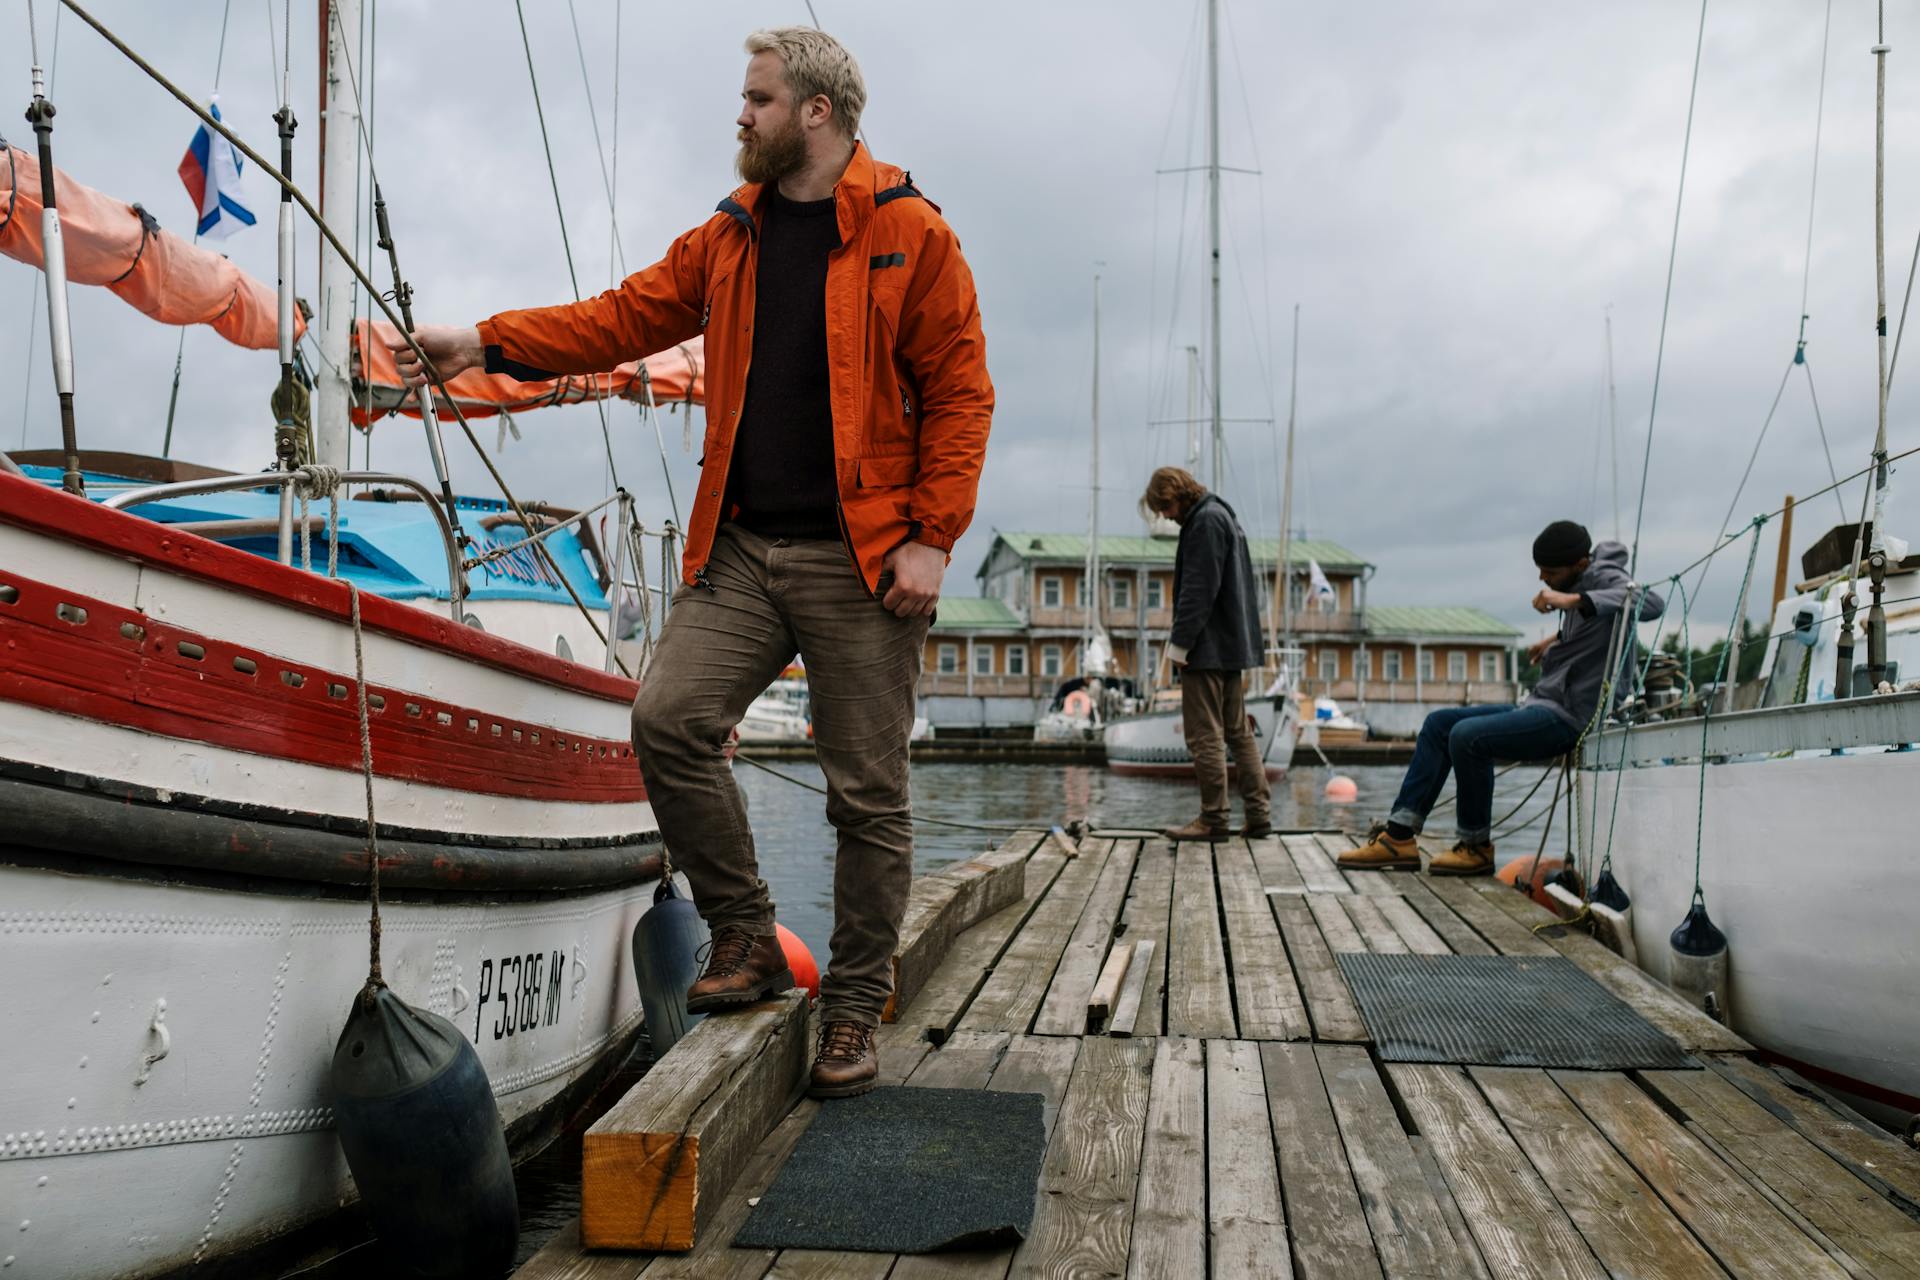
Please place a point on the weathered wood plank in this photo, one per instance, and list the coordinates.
(1873, 1156)
(1106, 991)
(965, 1061)
(1457, 933)
(1170, 1208)
(1317, 871)
(1083, 1223)
(1246, 1222)
(1371, 921)
(1329, 1000)
(1275, 865)
(1336, 926)
(1409, 1228)
(1324, 1215)
(1748, 1235)
(901, 1046)
(1374, 884)
(562, 1258)
(1413, 929)
(1449, 1208)
(1690, 1027)
(1148, 918)
(944, 905)
(1520, 1228)
(1012, 994)
(820, 1264)
(1266, 997)
(1621, 1217)
(1133, 991)
(1508, 936)
(715, 1258)
(955, 983)
(1199, 997)
(1853, 1216)
(1064, 1011)
(657, 1166)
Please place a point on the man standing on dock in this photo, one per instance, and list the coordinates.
(1588, 585)
(847, 406)
(1215, 639)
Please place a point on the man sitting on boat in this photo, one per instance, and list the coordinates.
(847, 413)
(1215, 638)
(1589, 586)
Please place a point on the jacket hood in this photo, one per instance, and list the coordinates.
(1609, 563)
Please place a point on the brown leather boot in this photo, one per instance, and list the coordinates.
(1198, 829)
(1257, 828)
(1463, 860)
(847, 1062)
(742, 967)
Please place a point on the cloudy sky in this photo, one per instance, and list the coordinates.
(1454, 196)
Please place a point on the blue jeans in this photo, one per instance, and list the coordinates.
(1466, 741)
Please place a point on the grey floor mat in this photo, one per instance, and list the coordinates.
(1510, 1011)
(904, 1170)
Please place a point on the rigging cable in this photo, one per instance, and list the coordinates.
(36, 287)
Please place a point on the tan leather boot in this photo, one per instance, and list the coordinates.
(742, 967)
(1382, 852)
(1463, 860)
(1198, 829)
(847, 1062)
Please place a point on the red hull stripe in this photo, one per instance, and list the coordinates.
(66, 652)
(1845, 1083)
(61, 515)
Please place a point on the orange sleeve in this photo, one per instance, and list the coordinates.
(943, 345)
(649, 311)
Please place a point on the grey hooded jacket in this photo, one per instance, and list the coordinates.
(1574, 668)
(1216, 606)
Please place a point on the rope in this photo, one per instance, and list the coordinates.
(1666, 303)
(374, 980)
(319, 481)
(1832, 473)
(938, 822)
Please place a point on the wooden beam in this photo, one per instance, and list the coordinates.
(1148, 918)
(1246, 1222)
(947, 903)
(1012, 994)
(1106, 992)
(1140, 970)
(714, 1257)
(956, 982)
(656, 1167)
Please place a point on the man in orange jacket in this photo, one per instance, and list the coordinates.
(847, 413)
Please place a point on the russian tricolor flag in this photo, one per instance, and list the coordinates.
(211, 172)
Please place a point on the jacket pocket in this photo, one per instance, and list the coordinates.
(889, 472)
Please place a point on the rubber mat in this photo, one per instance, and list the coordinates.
(1506, 1011)
(904, 1170)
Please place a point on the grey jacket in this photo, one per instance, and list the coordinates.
(1574, 668)
(1216, 607)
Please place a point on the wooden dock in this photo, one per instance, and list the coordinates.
(1231, 1120)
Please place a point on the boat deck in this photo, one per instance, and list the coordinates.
(1243, 1126)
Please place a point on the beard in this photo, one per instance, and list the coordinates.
(766, 158)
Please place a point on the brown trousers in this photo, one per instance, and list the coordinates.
(720, 649)
(1213, 714)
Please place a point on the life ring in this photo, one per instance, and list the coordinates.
(1078, 704)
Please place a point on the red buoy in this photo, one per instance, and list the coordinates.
(806, 973)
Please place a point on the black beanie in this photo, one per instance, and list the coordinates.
(1561, 545)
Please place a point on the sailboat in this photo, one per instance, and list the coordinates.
(184, 856)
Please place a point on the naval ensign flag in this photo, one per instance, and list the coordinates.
(211, 172)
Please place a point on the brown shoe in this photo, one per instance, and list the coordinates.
(1382, 852)
(1257, 828)
(1198, 829)
(1463, 860)
(847, 1062)
(742, 967)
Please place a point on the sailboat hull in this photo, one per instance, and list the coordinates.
(1155, 745)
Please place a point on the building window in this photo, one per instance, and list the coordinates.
(1080, 592)
(1456, 666)
(983, 660)
(1329, 660)
(1426, 664)
(949, 659)
(1156, 595)
(1390, 665)
(1120, 593)
(1489, 666)
(1049, 593)
(1363, 664)
(1016, 659)
(1049, 659)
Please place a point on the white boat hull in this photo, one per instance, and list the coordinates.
(1155, 745)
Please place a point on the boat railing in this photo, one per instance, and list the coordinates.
(1890, 721)
(288, 483)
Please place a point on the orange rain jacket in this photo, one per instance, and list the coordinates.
(907, 360)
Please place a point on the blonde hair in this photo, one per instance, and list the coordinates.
(816, 63)
(1171, 487)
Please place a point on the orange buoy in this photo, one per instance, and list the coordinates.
(1523, 875)
(806, 973)
(1342, 790)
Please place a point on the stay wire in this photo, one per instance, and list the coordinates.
(784, 776)
(1727, 654)
(593, 118)
(36, 287)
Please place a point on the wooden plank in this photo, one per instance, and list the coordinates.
(1140, 971)
(1507, 935)
(1408, 1226)
(1106, 992)
(1449, 1208)
(1246, 1222)
(1875, 1157)
(954, 984)
(1747, 1234)
(901, 1046)
(562, 1258)
(1266, 997)
(1277, 872)
(1380, 937)
(1199, 995)
(1845, 1210)
(1336, 926)
(1012, 994)
(1148, 918)
(944, 905)
(821, 1264)
(1690, 1027)
(1329, 1227)
(1083, 1223)
(965, 1061)
(1064, 1011)
(1317, 871)
(1374, 884)
(1623, 1221)
(715, 1258)
(1329, 1000)
(1413, 929)
(1457, 933)
(1170, 1208)
(1520, 1228)
(656, 1167)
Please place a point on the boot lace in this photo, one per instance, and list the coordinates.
(726, 954)
(845, 1041)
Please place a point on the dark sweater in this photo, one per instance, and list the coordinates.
(780, 483)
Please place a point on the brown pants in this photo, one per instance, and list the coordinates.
(1213, 712)
(720, 649)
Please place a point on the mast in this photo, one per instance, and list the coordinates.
(1213, 234)
(1282, 576)
(1613, 428)
(339, 162)
(1193, 409)
(1877, 557)
(59, 327)
(1090, 623)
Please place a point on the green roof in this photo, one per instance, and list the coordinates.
(975, 613)
(1417, 620)
(1122, 547)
